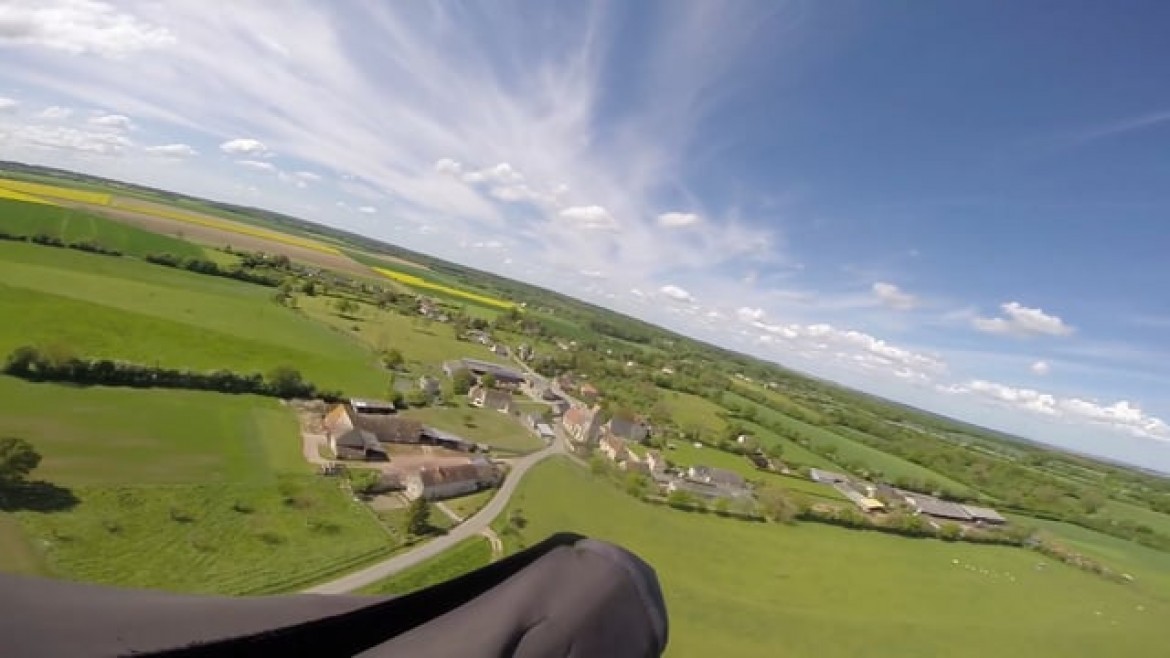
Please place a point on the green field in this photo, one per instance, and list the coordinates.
(180, 490)
(487, 426)
(793, 452)
(467, 555)
(779, 401)
(693, 412)
(746, 589)
(467, 506)
(889, 465)
(18, 218)
(1121, 511)
(1149, 567)
(98, 306)
(686, 454)
(424, 344)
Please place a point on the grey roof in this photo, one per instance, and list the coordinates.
(826, 476)
(940, 508)
(369, 406)
(627, 429)
(984, 514)
(544, 429)
(486, 367)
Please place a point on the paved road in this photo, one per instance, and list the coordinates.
(469, 528)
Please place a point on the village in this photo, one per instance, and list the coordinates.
(415, 460)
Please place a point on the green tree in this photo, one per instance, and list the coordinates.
(418, 517)
(461, 381)
(722, 506)
(392, 359)
(488, 380)
(775, 450)
(18, 458)
(417, 398)
(363, 480)
(776, 504)
(950, 531)
(286, 382)
(346, 307)
(680, 499)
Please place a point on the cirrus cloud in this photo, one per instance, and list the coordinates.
(678, 219)
(244, 146)
(78, 27)
(676, 293)
(172, 150)
(894, 297)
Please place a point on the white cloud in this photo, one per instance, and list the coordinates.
(1020, 320)
(244, 146)
(594, 218)
(894, 297)
(676, 293)
(172, 150)
(678, 219)
(118, 121)
(1122, 415)
(367, 210)
(748, 314)
(258, 165)
(78, 27)
(307, 176)
(55, 113)
(1040, 368)
(8, 104)
(66, 139)
(448, 166)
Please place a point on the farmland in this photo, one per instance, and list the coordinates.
(142, 312)
(48, 191)
(693, 412)
(19, 218)
(167, 478)
(430, 286)
(816, 590)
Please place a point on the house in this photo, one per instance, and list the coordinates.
(559, 407)
(354, 433)
(531, 421)
(635, 466)
(545, 431)
(439, 482)
(827, 477)
(867, 504)
(436, 437)
(524, 352)
(428, 385)
(719, 477)
(628, 430)
(500, 350)
(582, 424)
(613, 448)
(486, 398)
(589, 391)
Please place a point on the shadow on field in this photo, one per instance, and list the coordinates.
(36, 496)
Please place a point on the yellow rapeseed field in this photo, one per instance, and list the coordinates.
(54, 192)
(419, 282)
(226, 225)
(21, 196)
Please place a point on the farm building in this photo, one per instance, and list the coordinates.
(864, 503)
(984, 515)
(655, 461)
(355, 432)
(545, 431)
(486, 398)
(434, 437)
(719, 477)
(827, 477)
(505, 377)
(428, 385)
(937, 508)
(439, 482)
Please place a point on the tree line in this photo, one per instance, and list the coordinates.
(32, 364)
(211, 268)
(46, 240)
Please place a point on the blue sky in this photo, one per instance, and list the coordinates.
(965, 206)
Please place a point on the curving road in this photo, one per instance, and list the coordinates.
(469, 528)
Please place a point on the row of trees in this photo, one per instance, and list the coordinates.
(32, 364)
(46, 240)
(211, 268)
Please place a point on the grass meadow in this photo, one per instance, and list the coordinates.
(19, 218)
(179, 490)
(685, 454)
(141, 312)
(468, 555)
(691, 411)
(735, 588)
